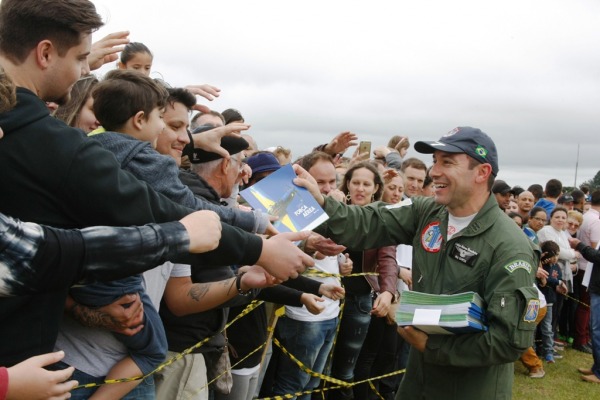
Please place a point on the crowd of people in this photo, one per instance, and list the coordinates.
(124, 243)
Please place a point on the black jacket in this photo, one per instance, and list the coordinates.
(54, 175)
(593, 256)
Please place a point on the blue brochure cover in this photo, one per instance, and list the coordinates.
(294, 205)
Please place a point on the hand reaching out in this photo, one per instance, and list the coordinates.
(311, 302)
(340, 143)
(105, 50)
(334, 292)
(204, 229)
(30, 380)
(211, 140)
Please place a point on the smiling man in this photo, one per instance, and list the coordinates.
(497, 263)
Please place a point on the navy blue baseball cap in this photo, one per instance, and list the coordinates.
(464, 139)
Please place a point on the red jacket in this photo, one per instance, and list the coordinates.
(383, 261)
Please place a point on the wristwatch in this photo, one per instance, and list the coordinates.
(238, 285)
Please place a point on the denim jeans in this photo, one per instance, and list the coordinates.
(310, 342)
(546, 332)
(377, 356)
(143, 391)
(595, 327)
(353, 331)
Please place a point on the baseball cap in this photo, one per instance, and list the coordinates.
(232, 144)
(501, 187)
(565, 198)
(464, 139)
(263, 162)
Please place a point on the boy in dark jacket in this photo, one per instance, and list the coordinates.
(550, 287)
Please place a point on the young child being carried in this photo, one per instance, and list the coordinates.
(130, 105)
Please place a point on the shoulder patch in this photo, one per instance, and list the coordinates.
(531, 313)
(518, 264)
(431, 237)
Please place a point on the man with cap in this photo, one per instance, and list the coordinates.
(502, 192)
(263, 164)
(211, 177)
(566, 200)
(462, 242)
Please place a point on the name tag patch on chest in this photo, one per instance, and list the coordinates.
(431, 238)
(464, 254)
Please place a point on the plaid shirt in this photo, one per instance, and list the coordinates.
(35, 258)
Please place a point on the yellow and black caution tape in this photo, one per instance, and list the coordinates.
(576, 300)
(177, 357)
(253, 305)
(338, 382)
(312, 273)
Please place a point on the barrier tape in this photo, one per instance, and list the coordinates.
(254, 304)
(576, 300)
(176, 357)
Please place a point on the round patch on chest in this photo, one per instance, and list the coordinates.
(431, 237)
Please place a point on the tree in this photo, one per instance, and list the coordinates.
(593, 183)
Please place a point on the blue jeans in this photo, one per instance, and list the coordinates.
(143, 391)
(353, 331)
(377, 356)
(595, 328)
(546, 332)
(309, 342)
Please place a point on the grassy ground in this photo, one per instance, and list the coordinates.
(561, 381)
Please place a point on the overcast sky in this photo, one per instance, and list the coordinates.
(525, 72)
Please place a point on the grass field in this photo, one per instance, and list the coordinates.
(561, 381)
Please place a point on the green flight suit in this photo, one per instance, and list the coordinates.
(491, 256)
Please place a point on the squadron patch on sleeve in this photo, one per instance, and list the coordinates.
(518, 264)
(531, 313)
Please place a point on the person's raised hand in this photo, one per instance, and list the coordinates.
(340, 143)
(105, 50)
(211, 140)
(209, 92)
(306, 180)
(30, 380)
(282, 258)
(204, 229)
(357, 156)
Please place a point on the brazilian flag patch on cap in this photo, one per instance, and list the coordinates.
(481, 151)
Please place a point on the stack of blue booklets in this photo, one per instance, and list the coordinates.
(442, 314)
(295, 208)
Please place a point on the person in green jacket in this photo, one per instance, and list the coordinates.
(462, 242)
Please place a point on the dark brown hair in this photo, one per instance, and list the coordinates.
(377, 178)
(122, 94)
(25, 23)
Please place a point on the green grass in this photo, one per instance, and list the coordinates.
(562, 380)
